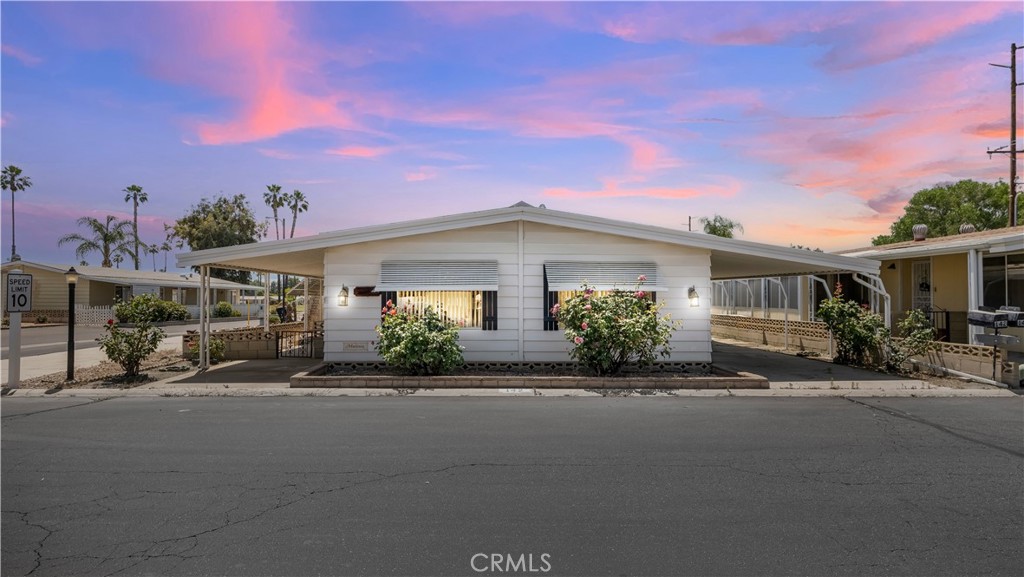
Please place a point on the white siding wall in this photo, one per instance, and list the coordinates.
(349, 329)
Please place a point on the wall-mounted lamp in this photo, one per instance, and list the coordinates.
(693, 296)
(343, 296)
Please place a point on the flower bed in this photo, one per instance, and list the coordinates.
(526, 375)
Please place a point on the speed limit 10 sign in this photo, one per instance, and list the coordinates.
(19, 293)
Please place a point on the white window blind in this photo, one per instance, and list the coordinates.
(438, 275)
(569, 275)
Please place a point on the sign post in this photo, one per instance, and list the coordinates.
(18, 300)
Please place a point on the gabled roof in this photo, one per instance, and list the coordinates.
(124, 276)
(998, 240)
(730, 258)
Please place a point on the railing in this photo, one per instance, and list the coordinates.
(940, 322)
(300, 344)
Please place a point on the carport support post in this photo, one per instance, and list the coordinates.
(266, 302)
(305, 303)
(203, 327)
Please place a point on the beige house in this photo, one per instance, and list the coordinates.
(101, 287)
(949, 276)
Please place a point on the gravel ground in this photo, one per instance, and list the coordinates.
(105, 374)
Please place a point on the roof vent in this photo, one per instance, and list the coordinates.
(920, 231)
(966, 228)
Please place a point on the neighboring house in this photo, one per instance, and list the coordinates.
(948, 276)
(498, 273)
(102, 287)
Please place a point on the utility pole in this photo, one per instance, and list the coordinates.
(1012, 220)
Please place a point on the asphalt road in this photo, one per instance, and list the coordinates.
(445, 486)
(45, 340)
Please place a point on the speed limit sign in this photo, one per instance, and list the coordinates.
(19, 293)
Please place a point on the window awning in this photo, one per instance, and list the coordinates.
(438, 275)
(570, 275)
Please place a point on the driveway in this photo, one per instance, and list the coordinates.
(781, 368)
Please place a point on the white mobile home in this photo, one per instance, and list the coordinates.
(498, 273)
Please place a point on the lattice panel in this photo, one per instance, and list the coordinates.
(796, 328)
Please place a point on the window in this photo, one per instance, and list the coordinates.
(1003, 281)
(464, 292)
(563, 279)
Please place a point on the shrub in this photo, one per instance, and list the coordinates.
(224, 309)
(274, 319)
(918, 337)
(149, 308)
(860, 334)
(620, 327)
(41, 319)
(216, 347)
(424, 344)
(129, 347)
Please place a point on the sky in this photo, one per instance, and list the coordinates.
(809, 123)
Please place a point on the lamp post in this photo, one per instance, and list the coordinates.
(72, 278)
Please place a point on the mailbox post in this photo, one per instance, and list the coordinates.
(995, 320)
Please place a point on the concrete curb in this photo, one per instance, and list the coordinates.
(251, 390)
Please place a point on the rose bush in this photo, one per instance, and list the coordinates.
(614, 329)
(424, 344)
(129, 347)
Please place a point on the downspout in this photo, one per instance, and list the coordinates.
(973, 292)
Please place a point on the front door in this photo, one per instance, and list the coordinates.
(921, 285)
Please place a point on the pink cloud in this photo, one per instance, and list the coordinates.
(361, 151)
(421, 174)
(612, 188)
(275, 153)
(20, 55)
(647, 155)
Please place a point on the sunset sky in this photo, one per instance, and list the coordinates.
(809, 123)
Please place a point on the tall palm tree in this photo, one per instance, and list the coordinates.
(13, 181)
(135, 195)
(275, 200)
(109, 238)
(298, 203)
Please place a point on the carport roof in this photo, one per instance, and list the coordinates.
(730, 258)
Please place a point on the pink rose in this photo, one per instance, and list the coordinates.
(642, 278)
(578, 340)
(587, 307)
(584, 326)
(640, 294)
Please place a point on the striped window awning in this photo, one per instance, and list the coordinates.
(418, 275)
(570, 275)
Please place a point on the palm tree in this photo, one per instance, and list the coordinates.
(118, 258)
(135, 195)
(275, 200)
(720, 226)
(298, 203)
(13, 181)
(109, 238)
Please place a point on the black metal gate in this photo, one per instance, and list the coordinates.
(299, 344)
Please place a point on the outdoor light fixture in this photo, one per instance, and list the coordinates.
(343, 296)
(72, 277)
(693, 296)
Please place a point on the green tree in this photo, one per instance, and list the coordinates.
(222, 221)
(134, 195)
(946, 206)
(297, 202)
(718, 225)
(109, 238)
(13, 181)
